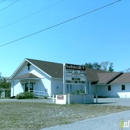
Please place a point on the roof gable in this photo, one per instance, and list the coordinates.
(51, 68)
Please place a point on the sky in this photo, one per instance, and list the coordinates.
(103, 35)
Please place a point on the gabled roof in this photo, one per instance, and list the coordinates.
(92, 74)
(124, 78)
(56, 70)
(51, 68)
(26, 76)
(105, 78)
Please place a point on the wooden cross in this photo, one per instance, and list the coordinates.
(28, 64)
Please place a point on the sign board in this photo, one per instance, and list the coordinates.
(60, 97)
(74, 67)
(74, 74)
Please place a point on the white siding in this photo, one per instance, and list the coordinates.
(17, 88)
(57, 86)
(92, 89)
(116, 91)
(24, 70)
(42, 84)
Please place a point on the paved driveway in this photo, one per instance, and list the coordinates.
(108, 122)
(114, 101)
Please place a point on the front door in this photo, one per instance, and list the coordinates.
(28, 87)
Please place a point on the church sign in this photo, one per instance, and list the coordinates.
(74, 74)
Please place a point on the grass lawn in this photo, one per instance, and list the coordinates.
(35, 116)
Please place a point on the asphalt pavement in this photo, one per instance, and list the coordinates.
(108, 122)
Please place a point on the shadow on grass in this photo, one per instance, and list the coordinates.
(105, 102)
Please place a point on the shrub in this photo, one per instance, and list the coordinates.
(45, 97)
(25, 95)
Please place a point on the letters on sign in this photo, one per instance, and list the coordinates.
(60, 97)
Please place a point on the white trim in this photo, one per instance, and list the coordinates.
(56, 78)
(21, 66)
(38, 68)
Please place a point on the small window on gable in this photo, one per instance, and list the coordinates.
(109, 88)
(123, 87)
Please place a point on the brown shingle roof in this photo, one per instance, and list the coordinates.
(51, 68)
(105, 78)
(124, 78)
(91, 74)
(26, 76)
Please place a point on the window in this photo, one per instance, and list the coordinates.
(109, 88)
(123, 87)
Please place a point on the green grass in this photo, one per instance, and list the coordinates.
(35, 116)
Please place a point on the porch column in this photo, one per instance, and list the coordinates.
(64, 79)
(13, 87)
(29, 85)
(85, 89)
(69, 88)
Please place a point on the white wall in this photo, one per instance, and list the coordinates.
(16, 88)
(116, 90)
(34, 70)
(40, 84)
(92, 89)
(57, 86)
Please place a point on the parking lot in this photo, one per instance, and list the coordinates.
(114, 101)
(101, 101)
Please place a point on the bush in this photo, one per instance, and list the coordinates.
(25, 95)
(45, 97)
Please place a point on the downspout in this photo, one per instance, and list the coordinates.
(13, 87)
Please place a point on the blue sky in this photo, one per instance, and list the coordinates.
(101, 36)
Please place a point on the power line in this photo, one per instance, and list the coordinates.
(30, 15)
(60, 23)
(8, 5)
(2, 1)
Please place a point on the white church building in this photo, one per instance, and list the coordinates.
(47, 78)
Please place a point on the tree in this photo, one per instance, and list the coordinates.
(3, 82)
(111, 68)
(96, 66)
(89, 65)
(106, 66)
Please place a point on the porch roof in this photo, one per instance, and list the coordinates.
(26, 76)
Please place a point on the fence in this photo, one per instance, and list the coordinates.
(41, 94)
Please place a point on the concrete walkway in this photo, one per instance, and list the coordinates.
(108, 122)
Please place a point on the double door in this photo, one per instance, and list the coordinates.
(28, 87)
